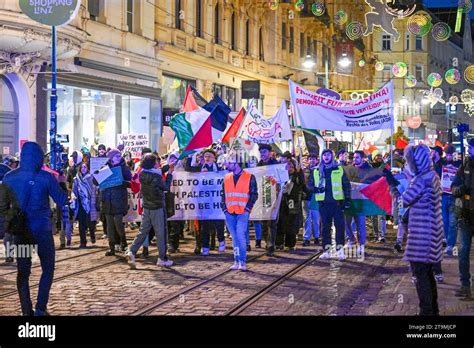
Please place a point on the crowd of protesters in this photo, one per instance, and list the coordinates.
(430, 208)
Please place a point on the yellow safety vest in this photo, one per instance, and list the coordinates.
(336, 181)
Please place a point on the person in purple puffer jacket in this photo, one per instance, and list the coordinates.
(425, 224)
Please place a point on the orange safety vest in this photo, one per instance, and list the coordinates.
(236, 197)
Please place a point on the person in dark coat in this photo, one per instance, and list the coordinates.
(291, 208)
(463, 190)
(39, 185)
(114, 201)
(425, 224)
(153, 190)
(6, 212)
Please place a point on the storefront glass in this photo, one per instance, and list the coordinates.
(173, 93)
(91, 116)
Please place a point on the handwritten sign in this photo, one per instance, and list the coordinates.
(134, 143)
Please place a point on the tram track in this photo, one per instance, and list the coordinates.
(148, 310)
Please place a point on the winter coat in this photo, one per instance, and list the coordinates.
(38, 211)
(153, 188)
(94, 214)
(463, 188)
(114, 200)
(291, 201)
(423, 198)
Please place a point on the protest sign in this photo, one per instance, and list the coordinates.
(198, 196)
(316, 111)
(132, 214)
(97, 163)
(447, 177)
(133, 143)
(112, 180)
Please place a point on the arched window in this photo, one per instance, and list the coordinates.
(8, 118)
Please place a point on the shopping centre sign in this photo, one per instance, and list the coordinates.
(50, 12)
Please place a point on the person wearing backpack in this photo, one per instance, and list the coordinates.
(32, 188)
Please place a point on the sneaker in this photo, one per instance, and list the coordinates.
(280, 247)
(463, 291)
(413, 279)
(205, 251)
(270, 251)
(316, 241)
(258, 244)
(235, 266)
(40, 313)
(197, 251)
(104, 236)
(172, 250)
(398, 247)
(163, 263)
(145, 252)
(306, 243)
(242, 267)
(291, 250)
(68, 243)
(395, 227)
(117, 248)
(131, 260)
(93, 241)
(222, 246)
(341, 255)
(381, 240)
(82, 246)
(110, 253)
(62, 246)
(439, 278)
(361, 251)
(325, 256)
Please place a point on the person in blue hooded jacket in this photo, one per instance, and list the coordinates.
(29, 177)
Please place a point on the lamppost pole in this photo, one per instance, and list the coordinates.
(54, 155)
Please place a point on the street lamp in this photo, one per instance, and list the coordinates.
(344, 62)
(309, 62)
(403, 101)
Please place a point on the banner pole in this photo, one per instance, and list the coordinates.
(391, 143)
(240, 127)
(297, 126)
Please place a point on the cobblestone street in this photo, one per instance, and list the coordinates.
(89, 283)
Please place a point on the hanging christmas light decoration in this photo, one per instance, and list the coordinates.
(318, 9)
(452, 76)
(399, 69)
(354, 30)
(410, 81)
(434, 80)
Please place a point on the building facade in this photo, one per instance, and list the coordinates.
(424, 55)
(124, 65)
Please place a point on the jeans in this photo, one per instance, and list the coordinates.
(237, 225)
(152, 219)
(263, 227)
(258, 230)
(332, 212)
(115, 225)
(207, 225)
(402, 231)
(449, 219)
(84, 224)
(466, 230)
(46, 252)
(426, 288)
(311, 222)
(360, 226)
(380, 225)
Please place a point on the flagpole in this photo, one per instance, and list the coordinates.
(293, 112)
(391, 142)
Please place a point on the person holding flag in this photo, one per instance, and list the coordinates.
(240, 195)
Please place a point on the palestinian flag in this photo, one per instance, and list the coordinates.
(370, 192)
(193, 100)
(234, 127)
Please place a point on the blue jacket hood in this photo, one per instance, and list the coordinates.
(31, 157)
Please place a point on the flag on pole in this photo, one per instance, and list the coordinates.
(234, 127)
(210, 131)
(189, 101)
(314, 141)
(258, 129)
(187, 124)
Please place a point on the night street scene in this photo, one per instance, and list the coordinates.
(301, 165)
